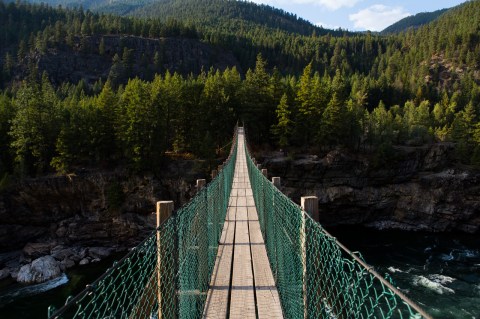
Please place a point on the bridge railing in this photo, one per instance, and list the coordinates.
(316, 276)
(168, 274)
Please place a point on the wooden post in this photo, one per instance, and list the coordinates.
(214, 173)
(220, 167)
(310, 206)
(276, 182)
(164, 210)
(200, 184)
(265, 172)
(259, 166)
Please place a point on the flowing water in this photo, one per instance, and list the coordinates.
(441, 272)
(31, 302)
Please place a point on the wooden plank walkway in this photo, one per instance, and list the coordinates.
(242, 284)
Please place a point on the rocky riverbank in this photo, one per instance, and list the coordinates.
(53, 223)
(50, 224)
(417, 190)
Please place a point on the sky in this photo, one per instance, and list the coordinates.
(358, 15)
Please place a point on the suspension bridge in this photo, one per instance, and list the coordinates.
(240, 249)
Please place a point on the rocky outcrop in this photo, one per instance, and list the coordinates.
(40, 270)
(416, 191)
(89, 208)
(76, 220)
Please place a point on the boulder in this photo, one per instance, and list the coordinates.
(99, 252)
(4, 273)
(84, 261)
(67, 263)
(39, 270)
(61, 252)
(36, 250)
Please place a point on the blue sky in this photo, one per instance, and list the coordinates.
(358, 15)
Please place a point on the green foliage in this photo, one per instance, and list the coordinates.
(298, 86)
(283, 129)
(333, 126)
(383, 155)
(114, 195)
(35, 127)
(258, 102)
(137, 126)
(7, 113)
(414, 21)
(5, 182)
(464, 132)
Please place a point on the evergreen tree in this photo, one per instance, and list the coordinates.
(283, 129)
(333, 126)
(463, 132)
(117, 72)
(35, 127)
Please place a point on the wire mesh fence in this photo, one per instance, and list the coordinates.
(316, 276)
(167, 275)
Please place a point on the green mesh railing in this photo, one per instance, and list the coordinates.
(316, 276)
(185, 249)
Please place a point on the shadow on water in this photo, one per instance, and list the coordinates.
(31, 302)
(441, 272)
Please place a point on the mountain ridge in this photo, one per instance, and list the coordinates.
(414, 21)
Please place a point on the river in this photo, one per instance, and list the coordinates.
(441, 272)
(31, 302)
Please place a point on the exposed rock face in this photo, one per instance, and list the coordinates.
(416, 192)
(73, 219)
(40, 270)
(35, 250)
(77, 210)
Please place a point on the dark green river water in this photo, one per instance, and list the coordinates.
(441, 272)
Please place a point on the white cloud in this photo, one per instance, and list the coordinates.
(377, 17)
(329, 4)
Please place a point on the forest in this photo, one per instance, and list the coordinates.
(299, 88)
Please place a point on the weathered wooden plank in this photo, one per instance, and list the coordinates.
(268, 300)
(243, 296)
(252, 290)
(217, 297)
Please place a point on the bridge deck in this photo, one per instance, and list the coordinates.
(242, 284)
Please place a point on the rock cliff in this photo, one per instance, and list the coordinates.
(83, 217)
(416, 191)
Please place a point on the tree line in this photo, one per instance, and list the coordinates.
(312, 92)
(45, 129)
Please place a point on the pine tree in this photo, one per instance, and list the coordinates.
(283, 129)
(117, 72)
(333, 126)
(35, 127)
(463, 132)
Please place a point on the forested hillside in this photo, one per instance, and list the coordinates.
(414, 21)
(295, 86)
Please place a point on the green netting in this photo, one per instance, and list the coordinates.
(182, 250)
(167, 275)
(316, 277)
